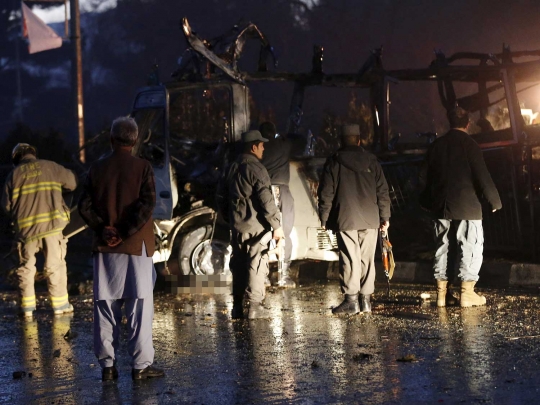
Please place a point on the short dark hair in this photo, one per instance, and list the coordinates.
(458, 118)
(350, 140)
(268, 130)
(248, 145)
(124, 131)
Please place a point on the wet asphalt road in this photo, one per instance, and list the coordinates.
(304, 355)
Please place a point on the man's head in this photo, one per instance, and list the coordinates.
(20, 150)
(458, 118)
(350, 135)
(124, 132)
(254, 143)
(268, 130)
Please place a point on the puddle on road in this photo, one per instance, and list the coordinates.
(303, 354)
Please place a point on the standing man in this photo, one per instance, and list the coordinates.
(32, 197)
(354, 202)
(276, 159)
(117, 203)
(455, 177)
(254, 221)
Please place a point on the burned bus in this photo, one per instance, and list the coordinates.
(189, 128)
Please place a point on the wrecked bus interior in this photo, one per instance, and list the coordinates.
(189, 128)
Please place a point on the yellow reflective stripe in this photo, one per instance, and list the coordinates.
(33, 188)
(65, 297)
(27, 302)
(40, 218)
(43, 235)
(59, 304)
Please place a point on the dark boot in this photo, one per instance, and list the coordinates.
(348, 306)
(148, 372)
(365, 302)
(109, 373)
(285, 280)
(258, 311)
(238, 308)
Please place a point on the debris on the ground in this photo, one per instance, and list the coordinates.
(315, 364)
(412, 315)
(408, 358)
(56, 353)
(17, 375)
(362, 356)
(70, 335)
(521, 337)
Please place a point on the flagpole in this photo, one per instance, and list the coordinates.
(76, 73)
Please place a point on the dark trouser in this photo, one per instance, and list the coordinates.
(357, 261)
(249, 265)
(287, 212)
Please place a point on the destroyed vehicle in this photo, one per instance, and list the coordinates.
(189, 129)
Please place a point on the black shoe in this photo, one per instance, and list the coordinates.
(148, 372)
(365, 303)
(348, 306)
(237, 312)
(109, 373)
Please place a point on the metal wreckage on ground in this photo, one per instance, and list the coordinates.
(190, 126)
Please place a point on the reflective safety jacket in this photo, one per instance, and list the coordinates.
(32, 197)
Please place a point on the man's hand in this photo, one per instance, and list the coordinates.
(384, 226)
(110, 236)
(278, 234)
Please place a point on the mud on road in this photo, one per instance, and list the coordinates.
(403, 352)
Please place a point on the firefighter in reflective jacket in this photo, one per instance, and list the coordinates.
(32, 197)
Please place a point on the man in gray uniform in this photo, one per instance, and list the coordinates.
(252, 216)
(117, 204)
(354, 202)
(455, 176)
(276, 159)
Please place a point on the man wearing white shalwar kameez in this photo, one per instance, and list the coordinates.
(117, 204)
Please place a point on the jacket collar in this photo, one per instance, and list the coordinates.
(120, 151)
(248, 157)
(27, 158)
(351, 148)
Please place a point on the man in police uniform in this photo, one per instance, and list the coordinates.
(456, 179)
(276, 159)
(254, 221)
(32, 197)
(354, 202)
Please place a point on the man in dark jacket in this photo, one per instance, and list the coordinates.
(252, 216)
(276, 159)
(117, 204)
(455, 177)
(354, 202)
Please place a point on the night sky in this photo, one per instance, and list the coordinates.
(121, 44)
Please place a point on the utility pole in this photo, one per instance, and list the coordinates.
(77, 74)
(19, 102)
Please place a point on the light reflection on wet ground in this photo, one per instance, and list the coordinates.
(304, 355)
